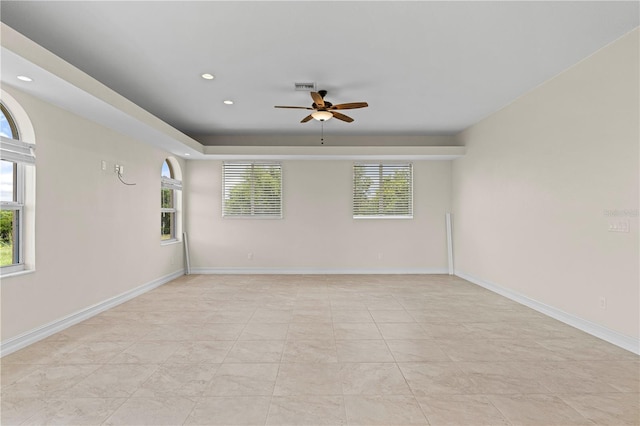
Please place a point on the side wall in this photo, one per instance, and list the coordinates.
(534, 194)
(318, 233)
(95, 237)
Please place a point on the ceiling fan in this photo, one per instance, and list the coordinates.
(325, 110)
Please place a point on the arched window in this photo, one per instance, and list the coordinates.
(15, 156)
(170, 200)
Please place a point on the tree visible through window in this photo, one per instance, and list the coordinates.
(252, 190)
(382, 190)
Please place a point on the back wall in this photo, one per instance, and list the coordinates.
(317, 232)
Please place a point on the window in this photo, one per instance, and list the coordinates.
(382, 190)
(252, 189)
(170, 192)
(15, 155)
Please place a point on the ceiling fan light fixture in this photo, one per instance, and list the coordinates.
(321, 115)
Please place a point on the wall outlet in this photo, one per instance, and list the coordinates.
(103, 165)
(603, 303)
(119, 169)
(249, 256)
(380, 256)
(619, 226)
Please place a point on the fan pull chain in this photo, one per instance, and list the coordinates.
(322, 133)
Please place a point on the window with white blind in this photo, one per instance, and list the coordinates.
(382, 190)
(170, 200)
(15, 156)
(252, 189)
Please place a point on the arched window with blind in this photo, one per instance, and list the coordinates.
(16, 156)
(170, 200)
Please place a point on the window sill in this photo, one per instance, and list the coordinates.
(170, 242)
(5, 275)
(381, 217)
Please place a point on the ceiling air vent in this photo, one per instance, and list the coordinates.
(305, 87)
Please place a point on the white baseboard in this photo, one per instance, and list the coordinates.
(18, 342)
(626, 342)
(318, 271)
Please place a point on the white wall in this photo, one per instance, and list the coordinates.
(318, 232)
(95, 237)
(530, 195)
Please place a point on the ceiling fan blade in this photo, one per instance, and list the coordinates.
(293, 107)
(307, 118)
(342, 117)
(350, 105)
(317, 99)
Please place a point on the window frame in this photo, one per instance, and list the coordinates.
(172, 185)
(380, 215)
(252, 215)
(18, 204)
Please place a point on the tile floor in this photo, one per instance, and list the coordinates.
(320, 350)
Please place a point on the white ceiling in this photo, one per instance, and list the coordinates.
(424, 67)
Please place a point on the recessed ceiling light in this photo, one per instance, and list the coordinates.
(208, 76)
(24, 78)
(228, 102)
(187, 154)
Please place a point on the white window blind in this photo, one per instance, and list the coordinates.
(382, 190)
(252, 189)
(17, 151)
(170, 183)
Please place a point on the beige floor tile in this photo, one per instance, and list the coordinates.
(383, 316)
(210, 352)
(427, 378)
(75, 411)
(309, 379)
(230, 316)
(307, 410)
(44, 352)
(172, 333)
(460, 410)
(212, 331)
(585, 377)
(537, 410)
(363, 351)
(356, 331)
(236, 410)
(152, 411)
(11, 373)
(269, 331)
(373, 379)
(307, 351)
(351, 316)
(178, 379)
(503, 377)
(93, 352)
(146, 352)
(48, 381)
(383, 410)
(255, 351)
(476, 350)
(607, 409)
(585, 349)
(112, 381)
(16, 410)
(300, 349)
(416, 351)
(272, 316)
(243, 380)
(311, 315)
(406, 331)
(308, 330)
